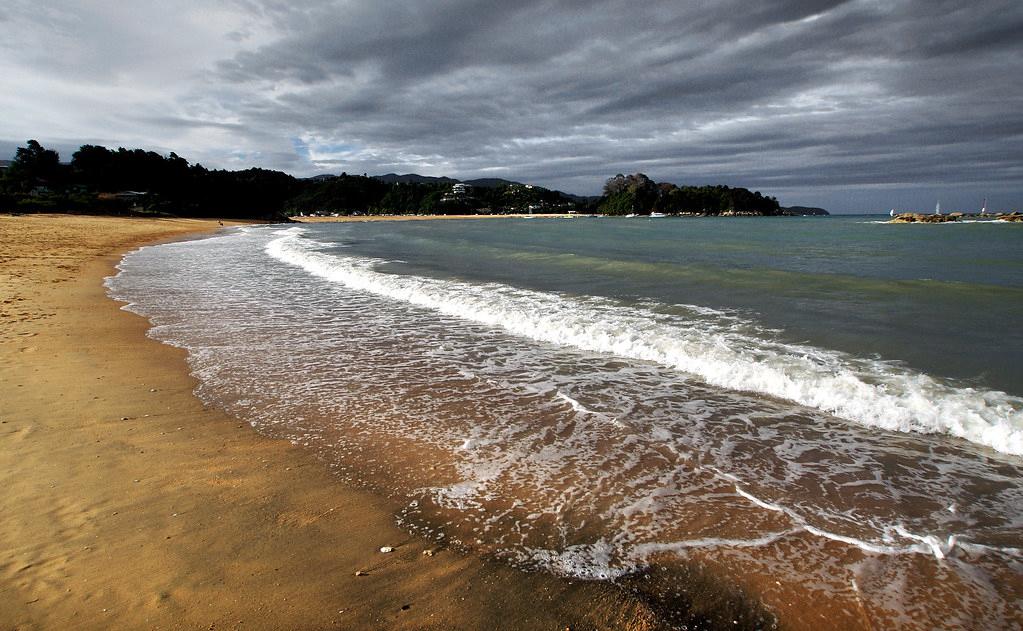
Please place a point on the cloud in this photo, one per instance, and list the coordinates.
(821, 100)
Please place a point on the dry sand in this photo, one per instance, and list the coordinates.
(127, 504)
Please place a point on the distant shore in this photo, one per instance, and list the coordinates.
(365, 218)
(362, 218)
(127, 504)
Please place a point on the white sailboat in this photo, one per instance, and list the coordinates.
(983, 209)
(937, 208)
(891, 213)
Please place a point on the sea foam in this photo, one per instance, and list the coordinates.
(717, 350)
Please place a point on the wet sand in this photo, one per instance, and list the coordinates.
(127, 504)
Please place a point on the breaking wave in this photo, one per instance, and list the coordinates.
(718, 348)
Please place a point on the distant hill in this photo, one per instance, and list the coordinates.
(804, 211)
(582, 199)
(413, 178)
(490, 182)
(321, 177)
(483, 182)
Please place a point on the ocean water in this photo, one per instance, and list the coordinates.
(826, 411)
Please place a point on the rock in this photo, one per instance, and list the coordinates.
(919, 218)
(386, 549)
(361, 573)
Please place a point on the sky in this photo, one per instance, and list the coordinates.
(850, 105)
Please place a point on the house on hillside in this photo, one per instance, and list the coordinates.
(458, 192)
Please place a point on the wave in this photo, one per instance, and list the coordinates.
(576, 406)
(714, 347)
(928, 544)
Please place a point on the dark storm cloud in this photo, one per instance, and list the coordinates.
(815, 99)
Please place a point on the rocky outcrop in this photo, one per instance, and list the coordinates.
(919, 218)
(1013, 217)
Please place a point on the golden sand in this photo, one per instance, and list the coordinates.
(127, 504)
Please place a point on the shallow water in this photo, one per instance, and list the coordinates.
(825, 410)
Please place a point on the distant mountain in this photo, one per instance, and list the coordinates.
(804, 211)
(483, 182)
(413, 178)
(490, 182)
(584, 199)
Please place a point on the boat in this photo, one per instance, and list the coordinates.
(937, 208)
(658, 215)
(892, 213)
(983, 209)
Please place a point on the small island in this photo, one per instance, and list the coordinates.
(804, 211)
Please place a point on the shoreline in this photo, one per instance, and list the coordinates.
(128, 504)
(367, 218)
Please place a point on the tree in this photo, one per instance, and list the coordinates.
(616, 184)
(626, 194)
(620, 203)
(34, 166)
(93, 166)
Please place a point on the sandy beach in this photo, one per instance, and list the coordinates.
(129, 505)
